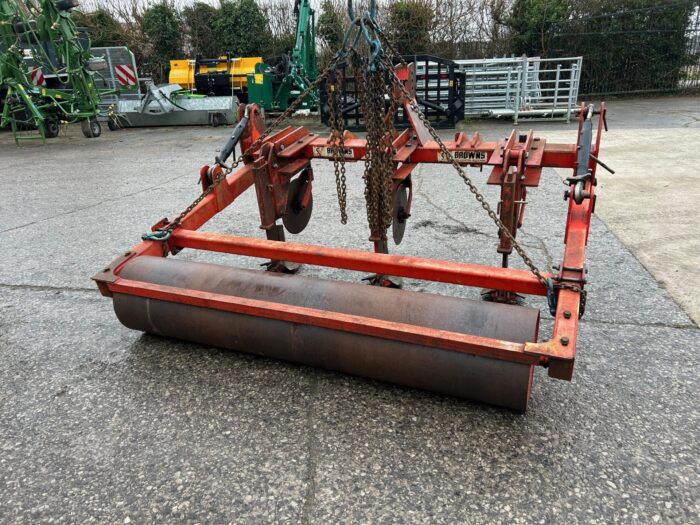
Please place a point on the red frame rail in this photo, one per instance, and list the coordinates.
(289, 152)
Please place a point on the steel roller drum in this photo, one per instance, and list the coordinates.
(492, 381)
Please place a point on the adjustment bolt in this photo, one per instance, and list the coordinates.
(564, 341)
(567, 314)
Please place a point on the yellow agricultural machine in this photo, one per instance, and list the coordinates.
(272, 86)
(220, 76)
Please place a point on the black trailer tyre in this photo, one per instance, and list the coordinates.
(112, 124)
(91, 128)
(22, 27)
(51, 127)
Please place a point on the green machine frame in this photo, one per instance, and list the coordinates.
(41, 31)
(300, 69)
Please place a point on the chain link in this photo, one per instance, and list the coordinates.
(336, 122)
(379, 167)
(448, 155)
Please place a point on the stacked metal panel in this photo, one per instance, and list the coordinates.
(526, 87)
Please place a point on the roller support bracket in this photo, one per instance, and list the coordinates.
(558, 359)
(109, 274)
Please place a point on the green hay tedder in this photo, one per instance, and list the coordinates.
(46, 70)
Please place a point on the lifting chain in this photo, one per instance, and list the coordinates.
(163, 234)
(371, 87)
(550, 284)
(379, 167)
(448, 155)
(336, 122)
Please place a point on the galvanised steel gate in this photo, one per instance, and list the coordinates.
(526, 87)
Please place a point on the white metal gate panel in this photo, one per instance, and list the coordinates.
(534, 87)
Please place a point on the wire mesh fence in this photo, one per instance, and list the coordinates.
(647, 50)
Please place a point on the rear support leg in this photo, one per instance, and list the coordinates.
(386, 281)
(276, 233)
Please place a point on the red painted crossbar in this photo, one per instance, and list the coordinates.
(407, 333)
(520, 281)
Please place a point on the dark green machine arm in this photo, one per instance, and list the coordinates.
(13, 79)
(302, 69)
(304, 52)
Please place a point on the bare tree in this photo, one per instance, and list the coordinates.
(459, 28)
(280, 14)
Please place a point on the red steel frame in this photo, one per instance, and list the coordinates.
(516, 164)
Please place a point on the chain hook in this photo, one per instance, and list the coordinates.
(158, 235)
(362, 25)
(551, 297)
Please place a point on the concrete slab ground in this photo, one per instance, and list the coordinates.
(100, 424)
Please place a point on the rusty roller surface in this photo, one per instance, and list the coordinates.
(488, 380)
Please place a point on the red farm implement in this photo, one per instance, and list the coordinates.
(482, 350)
